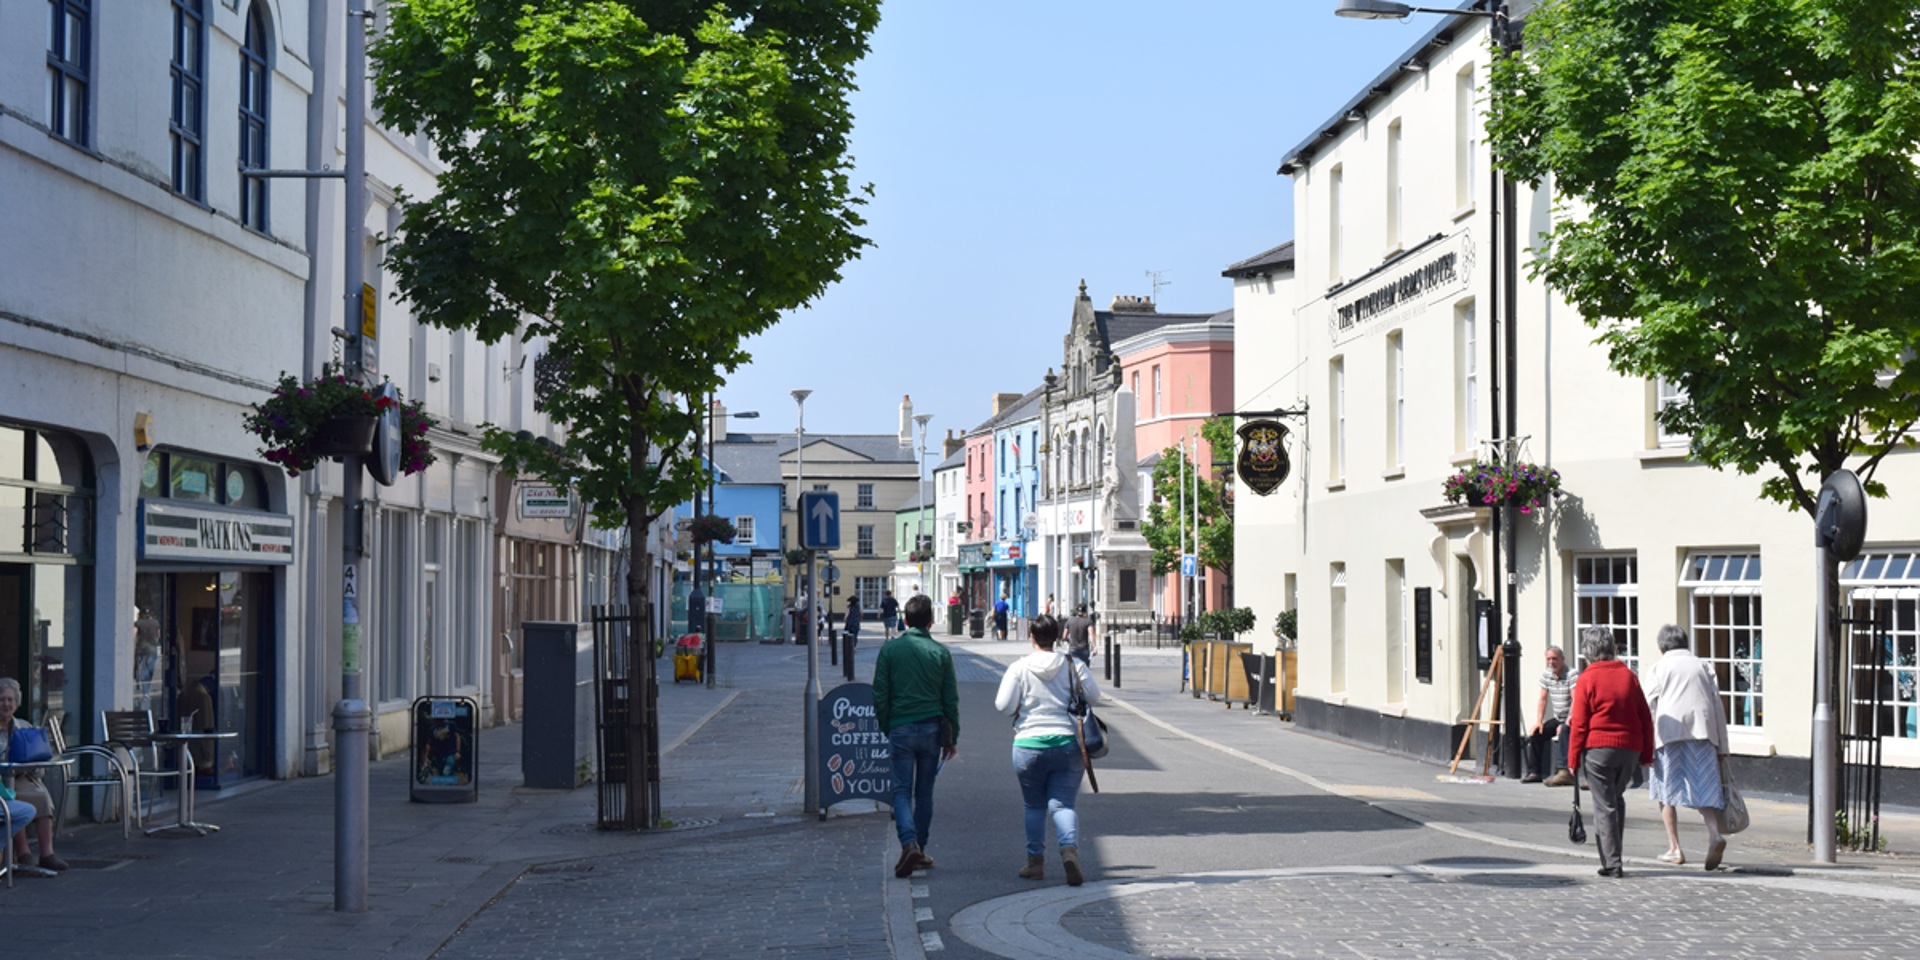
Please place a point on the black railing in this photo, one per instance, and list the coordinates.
(1867, 714)
(627, 709)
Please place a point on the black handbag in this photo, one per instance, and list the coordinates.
(1092, 730)
(1576, 830)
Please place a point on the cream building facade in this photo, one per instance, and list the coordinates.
(1382, 333)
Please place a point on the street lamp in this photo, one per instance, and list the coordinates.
(919, 485)
(700, 572)
(1050, 484)
(1503, 346)
(809, 697)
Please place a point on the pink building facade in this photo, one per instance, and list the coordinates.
(1180, 375)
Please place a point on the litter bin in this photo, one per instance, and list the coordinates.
(954, 616)
(977, 624)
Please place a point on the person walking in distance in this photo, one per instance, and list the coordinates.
(889, 614)
(853, 620)
(1080, 635)
(1611, 735)
(1000, 610)
(1046, 749)
(916, 700)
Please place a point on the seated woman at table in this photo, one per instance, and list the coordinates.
(27, 786)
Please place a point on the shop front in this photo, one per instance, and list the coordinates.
(1009, 567)
(975, 592)
(536, 560)
(204, 612)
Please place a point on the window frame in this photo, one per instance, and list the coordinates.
(744, 530)
(64, 70)
(189, 83)
(1617, 593)
(1708, 576)
(255, 117)
(863, 497)
(864, 540)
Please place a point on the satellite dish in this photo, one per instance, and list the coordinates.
(1840, 517)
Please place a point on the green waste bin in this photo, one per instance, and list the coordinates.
(954, 614)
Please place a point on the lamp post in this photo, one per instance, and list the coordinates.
(1050, 482)
(700, 570)
(919, 484)
(809, 697)
(1503, 348)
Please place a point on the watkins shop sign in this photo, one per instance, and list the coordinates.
(856, 760)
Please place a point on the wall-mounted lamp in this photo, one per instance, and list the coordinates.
(143, 435)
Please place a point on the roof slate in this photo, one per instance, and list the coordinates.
(1278, 258)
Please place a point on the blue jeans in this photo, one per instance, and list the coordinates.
(22, 813)
(1049, 783)
(916, 757)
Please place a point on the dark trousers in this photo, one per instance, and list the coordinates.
(1609, 770)
(1547, 750)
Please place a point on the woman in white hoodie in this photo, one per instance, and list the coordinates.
(1046, 752)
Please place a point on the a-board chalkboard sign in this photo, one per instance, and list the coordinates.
(855, 760)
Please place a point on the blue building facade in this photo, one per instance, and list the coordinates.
(1016, 492)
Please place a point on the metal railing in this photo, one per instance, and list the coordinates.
(627, 716)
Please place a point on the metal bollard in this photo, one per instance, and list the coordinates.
(1106, 669)
(833, 646)
(1116, 667)
(846, 660)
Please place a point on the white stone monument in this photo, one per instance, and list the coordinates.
(1122, 559)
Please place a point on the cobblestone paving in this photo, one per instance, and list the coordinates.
(1484, 915)
(802, 891)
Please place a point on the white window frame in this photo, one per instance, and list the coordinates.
(1466, 319)
(743, 530)
(864, 540)
(1396, 187)
(1397, 400)
(1716, 628)
(1666, 393)
(1465, 137)
(1337, 387)
(864, 497)
(1606, 593)
(1887, 581)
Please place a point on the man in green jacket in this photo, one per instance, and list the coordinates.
(917, 702)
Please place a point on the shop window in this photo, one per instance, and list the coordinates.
(180, 476)
(69, 63)
(1606, 593)
(1884, 588)
(1724, 595)
(46, 504)
(394, 558)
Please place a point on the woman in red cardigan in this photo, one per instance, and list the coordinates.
(1610, 731)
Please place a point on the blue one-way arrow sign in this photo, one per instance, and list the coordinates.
(820, 521)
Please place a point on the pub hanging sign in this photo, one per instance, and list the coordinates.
(1263, 463)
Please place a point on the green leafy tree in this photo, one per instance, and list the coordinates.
(1739, 210)
(640, 184)
(1167, 525)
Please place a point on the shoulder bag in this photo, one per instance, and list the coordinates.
(28, 745)
(1576, 829)
(1733, 815)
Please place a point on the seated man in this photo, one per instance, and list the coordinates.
(1548, 741)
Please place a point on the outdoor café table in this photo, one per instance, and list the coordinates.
(8, 769)
(184, 742)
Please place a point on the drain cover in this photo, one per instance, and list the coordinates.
(565, 829)
(1513, 880)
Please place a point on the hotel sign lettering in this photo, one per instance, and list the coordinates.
(1403, 288)
(175, 531)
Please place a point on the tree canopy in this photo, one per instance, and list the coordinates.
(641, 184)
(1738, 210)
(1167, 525)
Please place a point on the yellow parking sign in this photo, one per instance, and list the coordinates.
(369, 312)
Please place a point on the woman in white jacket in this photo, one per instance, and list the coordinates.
(1046, 752)
(1689, 738)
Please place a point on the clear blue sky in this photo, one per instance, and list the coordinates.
(1018, 146)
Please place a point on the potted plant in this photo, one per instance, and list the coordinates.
(333, 416)
(1487, 484)
(711, 528)
(796, 557)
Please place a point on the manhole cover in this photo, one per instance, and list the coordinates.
(1513, 880)
(565, 829)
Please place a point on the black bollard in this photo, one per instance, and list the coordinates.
(1106, 669)
(833, 645)
(1116, 667)
(846, 660)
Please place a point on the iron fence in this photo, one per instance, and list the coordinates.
(627, 710)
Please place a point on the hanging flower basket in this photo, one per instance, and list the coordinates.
(920, 556)
(332, 416)
(1520, 484)
(708, 528)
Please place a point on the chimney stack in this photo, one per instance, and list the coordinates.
(906, 420)
(719, 416)
(951, 445)
(1126, 304)
(1005, 401)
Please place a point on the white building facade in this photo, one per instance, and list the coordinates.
(1383, 334)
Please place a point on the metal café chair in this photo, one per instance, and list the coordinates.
(118, 767)
(133, 730)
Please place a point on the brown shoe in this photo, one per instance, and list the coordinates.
(924, 863)
(1563, 778)
(53, 862)
(1070, 859)
(1036, 869)
(909, 860)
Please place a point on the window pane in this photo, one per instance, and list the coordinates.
(193, 479)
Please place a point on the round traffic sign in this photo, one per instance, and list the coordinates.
(1840, 517)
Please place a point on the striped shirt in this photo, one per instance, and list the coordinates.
(1559, 693)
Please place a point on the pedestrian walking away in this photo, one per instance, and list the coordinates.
(1080, 635)
(916, 700)
(1689, 739)
(1611, 734)
(853, 619)
(889, 613)
(1046, 749)
(1000, 609)
(1547, 744)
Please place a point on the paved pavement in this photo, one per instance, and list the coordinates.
(1219, 833)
